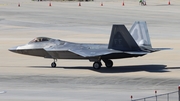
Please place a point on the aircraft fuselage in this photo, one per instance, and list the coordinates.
(37, 49)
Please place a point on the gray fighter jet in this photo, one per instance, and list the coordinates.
(122, 44)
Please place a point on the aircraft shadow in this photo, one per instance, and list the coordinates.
(120, 69)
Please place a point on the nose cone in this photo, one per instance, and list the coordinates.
(13, 49)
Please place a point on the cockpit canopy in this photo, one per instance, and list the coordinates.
(40, 39)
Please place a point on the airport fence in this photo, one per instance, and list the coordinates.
(172, 96)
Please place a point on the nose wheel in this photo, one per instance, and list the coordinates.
(53, 64)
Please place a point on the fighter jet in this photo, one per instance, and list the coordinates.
(122, 44)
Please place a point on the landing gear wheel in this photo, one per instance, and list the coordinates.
(97, 65)
(108, 63)
(53, 64)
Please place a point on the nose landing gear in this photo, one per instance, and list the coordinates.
(53, 64)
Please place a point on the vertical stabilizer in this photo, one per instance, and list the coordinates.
(139, 32)
(122, 40)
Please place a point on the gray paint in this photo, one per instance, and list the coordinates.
(121, 45)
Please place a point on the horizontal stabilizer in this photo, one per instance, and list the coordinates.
(137, 53)
(159, 49)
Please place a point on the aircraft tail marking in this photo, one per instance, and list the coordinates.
(122, 40)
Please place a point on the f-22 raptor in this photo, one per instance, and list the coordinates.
(122, 44)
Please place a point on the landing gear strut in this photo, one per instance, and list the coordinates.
(97, 65)
(53, 64)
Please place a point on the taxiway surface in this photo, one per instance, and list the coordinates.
(26, 78)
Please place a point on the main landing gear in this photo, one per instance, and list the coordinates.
(53, 64)
(108, 63)
(98, 64)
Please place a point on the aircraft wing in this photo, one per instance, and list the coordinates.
(94, 52)
(91, 52)
(100, 52)
(84, 52)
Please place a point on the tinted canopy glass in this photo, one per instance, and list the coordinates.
(40, 39)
